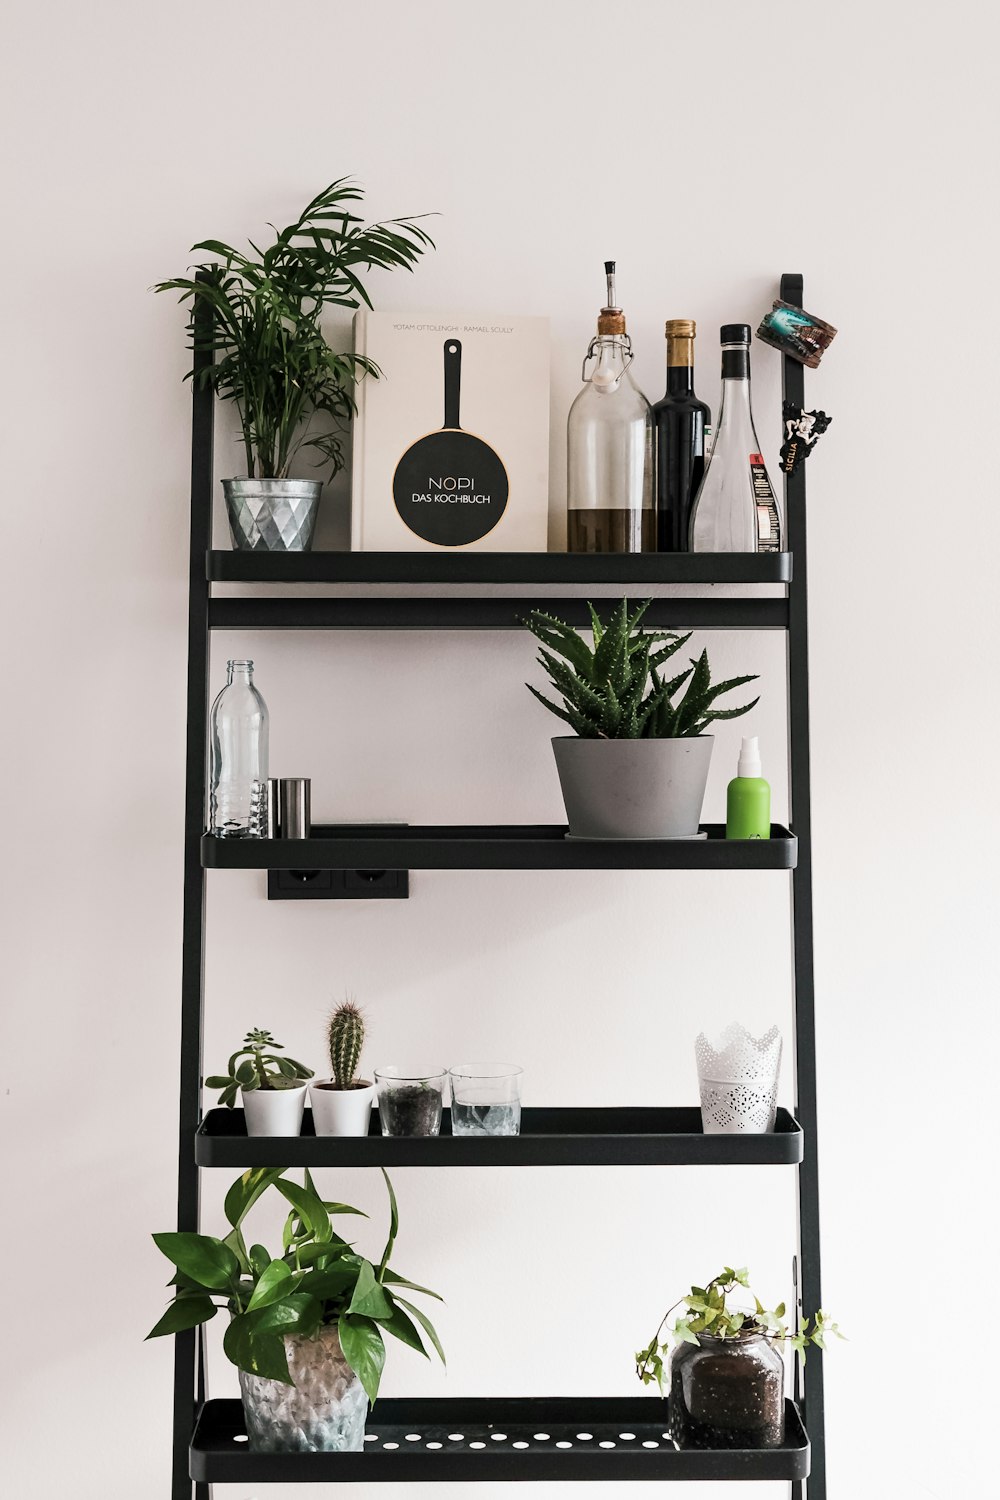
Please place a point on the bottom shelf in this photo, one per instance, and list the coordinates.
(440, 1441)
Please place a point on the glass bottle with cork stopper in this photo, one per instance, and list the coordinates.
(610, 446)
(682, 431)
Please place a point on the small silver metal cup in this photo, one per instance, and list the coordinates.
(294, 806)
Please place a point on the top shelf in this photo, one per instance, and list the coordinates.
(499, 567)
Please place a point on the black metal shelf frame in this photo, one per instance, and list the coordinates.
(626, 1137)
(462, 568)
(551, 1137)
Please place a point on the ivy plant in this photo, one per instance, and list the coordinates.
(615, 690)
(708, 1313)
(258, 315)
(254, 1067)
(318, 1279)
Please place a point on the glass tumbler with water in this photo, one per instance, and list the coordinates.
(485, 1099)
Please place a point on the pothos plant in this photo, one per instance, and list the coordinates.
(709, 1314)
(254, 1067)
(615, 689)
(317, 1280)
(258, 316)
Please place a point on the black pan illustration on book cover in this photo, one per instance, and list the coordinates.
(450, 487)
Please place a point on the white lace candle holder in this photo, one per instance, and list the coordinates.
(738, 1081)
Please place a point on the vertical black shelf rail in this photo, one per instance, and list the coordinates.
(189, 1352)
(809, 1290)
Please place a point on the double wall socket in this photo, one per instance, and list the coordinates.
(338, 885)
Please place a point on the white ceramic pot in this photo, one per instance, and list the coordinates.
(341, 1111)
(274, 1111)
(633, 789)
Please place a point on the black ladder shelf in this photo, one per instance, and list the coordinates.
(441, 1441)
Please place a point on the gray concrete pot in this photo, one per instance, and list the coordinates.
(272, 515)
(633, 789)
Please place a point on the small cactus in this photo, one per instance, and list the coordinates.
(346, 1037)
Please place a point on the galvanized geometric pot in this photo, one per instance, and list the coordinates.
(272, 515)
(323, 1412)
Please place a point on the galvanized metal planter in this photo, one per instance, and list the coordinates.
(272, 515)
(323, 1412)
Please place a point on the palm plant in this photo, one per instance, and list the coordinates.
(615, 691)
(258, 316)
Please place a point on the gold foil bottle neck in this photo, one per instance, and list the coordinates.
(680, 334)
(611, 320)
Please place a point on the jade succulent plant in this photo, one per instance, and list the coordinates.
(708, 1314)
(255, 1067)
(615, 690)
(346, 1037)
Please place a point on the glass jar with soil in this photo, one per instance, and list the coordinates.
(727, 1393)
(410, 1101)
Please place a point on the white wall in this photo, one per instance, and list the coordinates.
(708, 147)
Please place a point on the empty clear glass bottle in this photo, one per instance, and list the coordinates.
(735, 509)
(610, 447)
(239, 755)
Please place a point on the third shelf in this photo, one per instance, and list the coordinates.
(549, 1138)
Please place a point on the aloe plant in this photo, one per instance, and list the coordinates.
(615, 690)
(346, 1037)
(254, 1067)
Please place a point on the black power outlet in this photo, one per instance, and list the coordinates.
(338, 885)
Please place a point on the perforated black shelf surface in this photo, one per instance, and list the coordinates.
(441, 1442)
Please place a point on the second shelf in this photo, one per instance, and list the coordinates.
(549, 1138)
(502, 846)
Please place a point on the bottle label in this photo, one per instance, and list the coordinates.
(768, 539)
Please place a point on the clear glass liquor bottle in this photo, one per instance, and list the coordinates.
(239, 727)
(610, 447)
(735, 509)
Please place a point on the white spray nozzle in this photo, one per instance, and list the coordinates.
(749, 757)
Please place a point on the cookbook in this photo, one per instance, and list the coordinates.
(451, 443)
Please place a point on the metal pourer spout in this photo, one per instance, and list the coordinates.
(611, 319)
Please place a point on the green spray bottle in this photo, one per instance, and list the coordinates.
(748, 799)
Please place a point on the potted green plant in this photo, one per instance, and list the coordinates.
(637, 763)
(342, 1104)
(307, 1326)
(259, 316)
(273, 1088)
(727, 1376)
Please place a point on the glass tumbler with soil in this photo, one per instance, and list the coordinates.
(410, 1100)
(727, 1393)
